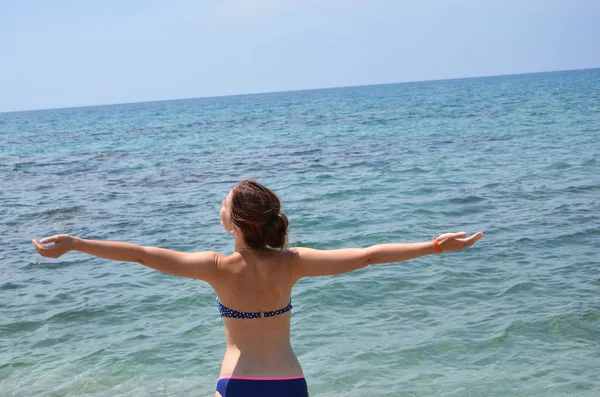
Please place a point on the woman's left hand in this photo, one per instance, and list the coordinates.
(457, 241)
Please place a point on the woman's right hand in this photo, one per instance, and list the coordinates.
(63, 243)
(457, 241)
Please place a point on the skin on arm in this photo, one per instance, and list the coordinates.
(200, 265)
(312, 262)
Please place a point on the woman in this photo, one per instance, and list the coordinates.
(254, 284)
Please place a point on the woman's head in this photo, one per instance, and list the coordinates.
(255, 211)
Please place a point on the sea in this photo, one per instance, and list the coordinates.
(518, 314)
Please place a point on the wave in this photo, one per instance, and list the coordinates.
(63, 211)
(414, 170)
(20, 326)
(520, 287)
(11, 286)
(467, 200)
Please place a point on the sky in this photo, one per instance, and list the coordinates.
(76, 53)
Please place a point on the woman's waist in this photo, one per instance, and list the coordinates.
(280, 362)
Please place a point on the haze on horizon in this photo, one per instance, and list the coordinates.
(66, 54)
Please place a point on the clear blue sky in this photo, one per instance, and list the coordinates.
(73, 53)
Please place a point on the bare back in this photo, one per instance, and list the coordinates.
(257, 281)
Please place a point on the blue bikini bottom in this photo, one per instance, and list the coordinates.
(238, 386)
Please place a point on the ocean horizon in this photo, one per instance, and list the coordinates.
(298, 90)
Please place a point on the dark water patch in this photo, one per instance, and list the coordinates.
(61, 298)
(582, 188)
(62, 211)
(380, 121)
(500, 138)
(139, 337)
(492, 185)
(98, 352)
(466, 211)
(192, 125)
(518, 288)
(36, 280)
(413, 170)
(78, 316)
(590, 162)
(579, 238)
(439, 144)
(561, 165)
(344, 193)
(48, 342)
(592, 316)
(19, 326)
(151, 299)
(184, 160)
(11, 286)
(525, 240)
(422, 191)
(44, 187)
(152, 356)
(320, 167)
(325, 176)
(354, 165)
(15, 364)
(554, 329)
(592, 129)
(24, 165)
(49, 264)
(8, 369)
(191, 301)
(424, 212)
(304, 152)
(74, 171)
(466, 200)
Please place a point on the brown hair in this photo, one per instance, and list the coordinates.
(255, 209)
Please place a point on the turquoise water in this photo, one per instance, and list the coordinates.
(517, 157)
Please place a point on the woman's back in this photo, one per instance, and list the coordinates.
(254, 295)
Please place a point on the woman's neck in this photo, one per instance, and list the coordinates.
(240, 245)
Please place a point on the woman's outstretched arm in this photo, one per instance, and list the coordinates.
(311, 262)
(200, 265)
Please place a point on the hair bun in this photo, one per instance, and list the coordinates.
(277, 231)
(255, 209)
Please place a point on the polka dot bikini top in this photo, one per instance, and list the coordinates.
(227, 312)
